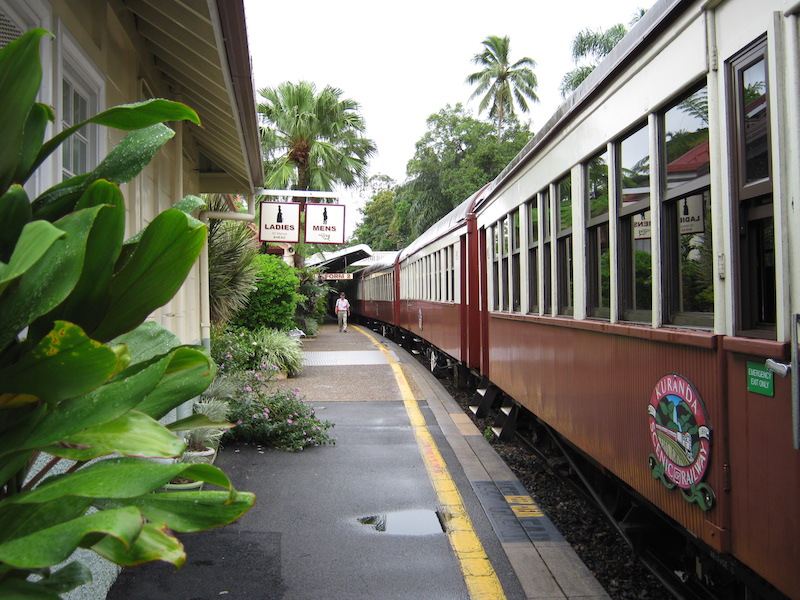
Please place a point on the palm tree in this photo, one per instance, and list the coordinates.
(311, 140)
(502, 83)
(593, 46)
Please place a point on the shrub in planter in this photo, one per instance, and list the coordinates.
(278, 349)
(275, 416)
(82, 376)
(275, 298)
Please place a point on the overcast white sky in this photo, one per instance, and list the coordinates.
(403, 61)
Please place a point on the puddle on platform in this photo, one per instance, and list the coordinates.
(406, 522)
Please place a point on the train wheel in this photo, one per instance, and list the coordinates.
(434, 360)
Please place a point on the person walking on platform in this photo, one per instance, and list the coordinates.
(342, 311)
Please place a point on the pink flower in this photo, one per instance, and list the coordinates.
(238, 422)
(289, 421)
(249, 389)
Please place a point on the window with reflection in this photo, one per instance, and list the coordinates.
(597, 240)
(635, 255)
(546, 254)
(494, 243)
(755, 281)
(533, 256)
(564, 246)
(516, 301)
(688, 257)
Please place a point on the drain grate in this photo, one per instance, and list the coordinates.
(406, 522)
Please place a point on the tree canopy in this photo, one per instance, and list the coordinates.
(454, 159)
(592, 46)
(312, 141)
(502, 84)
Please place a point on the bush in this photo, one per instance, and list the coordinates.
(311, 310)
(275, 416)
(265, 349)
(275, 298)
(279, 349)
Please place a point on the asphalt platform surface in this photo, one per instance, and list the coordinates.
(361, 519)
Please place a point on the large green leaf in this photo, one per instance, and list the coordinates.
(50, 280)
(120, 478)
(148, 340)
(39, 117)
(133, 433)
(124, 163)
(89, 300)
(127, 117)
(20, 76)
(19, 520)
(188, 511)
(34, 241)
(154, 543)
(153, 273)
(190, 372)
(21, 589)
(65, 363)
(53, 545)
(15, 213)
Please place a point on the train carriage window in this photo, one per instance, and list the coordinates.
(504, 264)
(516, 301)
(495, 232)
(635, 254)
(564, 246)
(688, 256)
(597, 247)
(546, 254)
(748, 95)
(533, 256)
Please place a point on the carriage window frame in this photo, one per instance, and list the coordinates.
(515, 290)
(565, 272)
(534, 248)
(752, 205)
(598, 229)
(633, 220)
(676, 201)
(546, 278)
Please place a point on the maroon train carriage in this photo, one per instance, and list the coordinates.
(630, 284)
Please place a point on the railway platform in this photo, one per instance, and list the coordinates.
(410, 503)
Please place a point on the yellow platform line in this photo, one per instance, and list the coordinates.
(479, 575)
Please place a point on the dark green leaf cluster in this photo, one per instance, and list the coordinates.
(275, 416)
(82, 375)
(274, 301)
(455, 158)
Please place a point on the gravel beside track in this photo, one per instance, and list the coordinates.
(598, 545)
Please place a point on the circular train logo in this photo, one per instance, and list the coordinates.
(681, 438)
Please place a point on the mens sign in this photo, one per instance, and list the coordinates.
(325, 223)
(280, 222)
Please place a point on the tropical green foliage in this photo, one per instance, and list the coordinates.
(83, 376)
(311, 140)
(590, 47)
(260, 350)
(274, 301)
(455, 158)
(378, 226)
(232, 272)
(501, 83)
(277, 348)
(275, 416)
(312, 308)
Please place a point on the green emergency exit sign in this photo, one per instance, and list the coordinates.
(759, 379)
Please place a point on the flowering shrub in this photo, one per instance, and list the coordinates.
(238, 349)
(276, 416)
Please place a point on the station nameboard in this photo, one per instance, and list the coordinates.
(280, 222)
(324, 223)
(337, 275)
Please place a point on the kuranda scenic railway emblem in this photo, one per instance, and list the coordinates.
(681, 438)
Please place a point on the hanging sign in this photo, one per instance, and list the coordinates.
(324, 223)
(280, 222)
